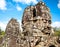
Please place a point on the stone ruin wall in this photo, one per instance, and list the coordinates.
(37, 30)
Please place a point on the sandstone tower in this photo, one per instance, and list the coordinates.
(37, 18)
(36, 24)
(37, 29)
(12, 33)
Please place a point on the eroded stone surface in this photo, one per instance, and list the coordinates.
(12, 33)
(36, 23)
(37, 30)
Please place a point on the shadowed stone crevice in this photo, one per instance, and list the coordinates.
(52, 46)
(34, 12)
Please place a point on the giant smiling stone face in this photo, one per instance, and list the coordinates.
(12, 27)
(38, 16)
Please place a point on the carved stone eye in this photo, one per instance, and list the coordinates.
(34, 21)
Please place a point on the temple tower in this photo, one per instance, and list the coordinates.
(36, 24)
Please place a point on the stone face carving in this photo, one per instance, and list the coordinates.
(12, 33)
(12, 27)
(36, 23)
(37, 30)
(38, 17)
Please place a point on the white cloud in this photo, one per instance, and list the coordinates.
(18, 8)
(56, 24)
(58, 4)
(26, 1)
(2, 25)
(3, 5)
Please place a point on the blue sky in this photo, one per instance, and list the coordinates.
(15, 8)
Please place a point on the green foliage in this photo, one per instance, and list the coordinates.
(2, 33)
(57, 32)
